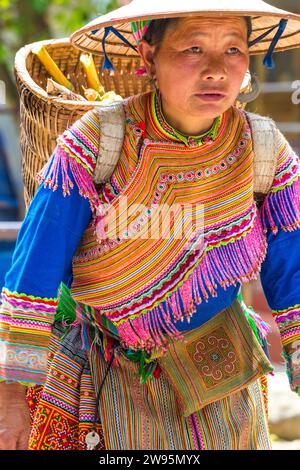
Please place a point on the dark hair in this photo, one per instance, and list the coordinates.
(157, 29)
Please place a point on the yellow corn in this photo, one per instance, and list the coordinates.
(91, 73)
(91, 94)
(51, 67)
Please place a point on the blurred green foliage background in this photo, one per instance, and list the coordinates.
(25, 21)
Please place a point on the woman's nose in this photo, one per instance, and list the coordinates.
(214, 70)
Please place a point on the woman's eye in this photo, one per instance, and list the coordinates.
(235, 50)
(194, 49)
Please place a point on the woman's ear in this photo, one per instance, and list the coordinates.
(147, 52)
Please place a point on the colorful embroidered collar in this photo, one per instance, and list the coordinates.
(129, 279)
(170, 132)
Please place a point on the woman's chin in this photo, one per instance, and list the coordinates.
(210, 109)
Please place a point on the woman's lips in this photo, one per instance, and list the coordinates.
(211, 96)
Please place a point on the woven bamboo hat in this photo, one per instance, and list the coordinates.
(273, 29)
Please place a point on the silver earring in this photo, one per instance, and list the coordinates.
(251, 95)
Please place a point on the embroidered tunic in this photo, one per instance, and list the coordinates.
(58, 238)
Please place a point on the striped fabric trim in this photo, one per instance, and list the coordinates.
(76, 155)
(287, 169)
(25, 328)
(82, 140)
(235, 423)
(284, 196)
(288, 321)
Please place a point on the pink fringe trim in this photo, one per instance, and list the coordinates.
(285, 203)
(262, 326)
(239, 261)
(61, 164)
(286, 316)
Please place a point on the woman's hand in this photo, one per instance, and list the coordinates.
(292, 356)
(14, 417)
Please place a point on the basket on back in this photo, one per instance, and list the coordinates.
(43, 117)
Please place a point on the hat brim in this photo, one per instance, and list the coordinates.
(264, 16)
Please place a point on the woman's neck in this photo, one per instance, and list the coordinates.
(187, 125)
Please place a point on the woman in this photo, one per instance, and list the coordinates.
(185, 146)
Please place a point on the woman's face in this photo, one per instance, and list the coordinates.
(198, 58)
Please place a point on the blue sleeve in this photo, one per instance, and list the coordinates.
(55, 222)
(280, 272)
(48, 238)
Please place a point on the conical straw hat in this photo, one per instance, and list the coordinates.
(264, 16)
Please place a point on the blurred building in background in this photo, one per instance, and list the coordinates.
(279, 86)
(278, 91)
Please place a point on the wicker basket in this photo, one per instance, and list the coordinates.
(42, 117)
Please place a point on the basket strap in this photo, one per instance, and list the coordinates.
(112, 130)
(264, 132)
